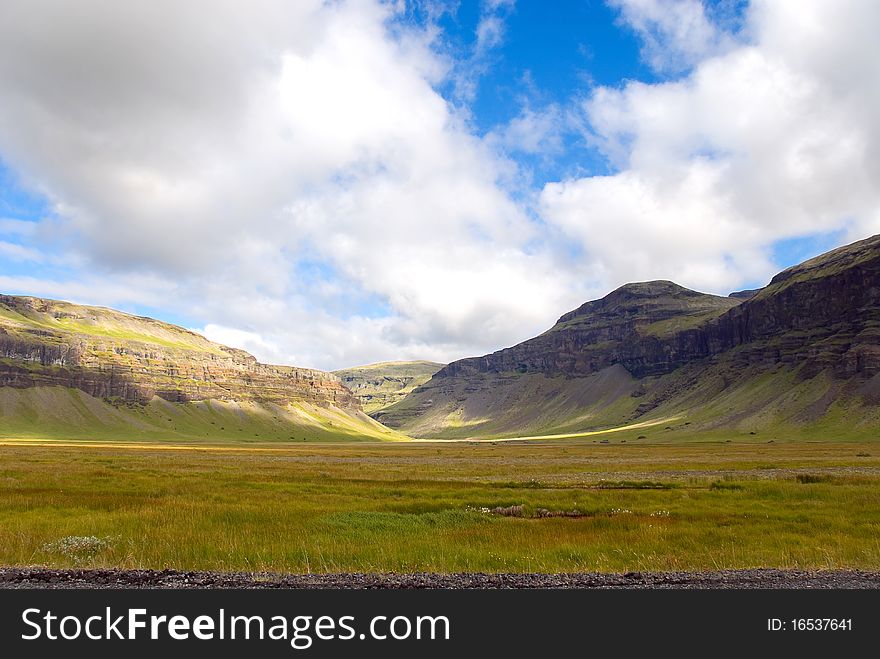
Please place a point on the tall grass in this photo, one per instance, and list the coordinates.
(421, 507)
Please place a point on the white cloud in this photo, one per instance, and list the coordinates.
(209, 149)
(491, 26)
(488, 36)
(774, 138)
(287, 176)
(250, 341)
(13, 227)
(16, 252)
(533, 131)
(676, 33)
(121, 292)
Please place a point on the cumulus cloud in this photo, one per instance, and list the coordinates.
(676, 34)
(204, 152)
(775, 138)
(287, 176)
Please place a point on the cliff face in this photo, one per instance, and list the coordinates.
(635, 326)
(377, 386)
(108, 354)
(825, 312)
(820, 319)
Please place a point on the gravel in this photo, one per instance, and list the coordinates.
(36, 577)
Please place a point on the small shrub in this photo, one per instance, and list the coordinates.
(717, 485)
(812, 478)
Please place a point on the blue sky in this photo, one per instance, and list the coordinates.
(329, 184)
(549, 54)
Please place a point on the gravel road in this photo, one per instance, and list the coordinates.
(35, 577)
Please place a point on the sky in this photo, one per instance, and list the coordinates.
(327, 184)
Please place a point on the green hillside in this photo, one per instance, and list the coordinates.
(69, 414)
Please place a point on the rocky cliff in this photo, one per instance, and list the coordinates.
(632, 326)
(109, 354)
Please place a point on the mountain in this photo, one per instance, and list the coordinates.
(377, 386)
(801, 354)
(75, 371)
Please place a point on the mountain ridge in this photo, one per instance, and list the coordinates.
(802, 351)
(815, 329)
(150, 378)
(110, 353)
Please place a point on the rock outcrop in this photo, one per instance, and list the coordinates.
(636, 325)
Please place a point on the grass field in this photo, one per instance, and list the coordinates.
(421, 506)
(69, 414)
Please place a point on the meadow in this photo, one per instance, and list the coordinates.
(571, 505)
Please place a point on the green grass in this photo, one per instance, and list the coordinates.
(670, 326)
(411, 507)
(58, 413)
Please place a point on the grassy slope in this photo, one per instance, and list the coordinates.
(60, 413)
(410, 507)
(379, 385)
(515, 404)
(773, 403)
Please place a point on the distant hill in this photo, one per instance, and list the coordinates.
(75, 371)
(378, 386)
(800, 355)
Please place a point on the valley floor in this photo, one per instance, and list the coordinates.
(562, 506)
